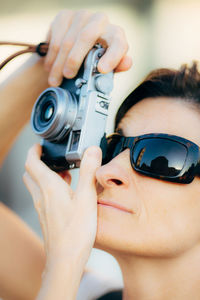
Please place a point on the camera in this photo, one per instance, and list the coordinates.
(72, 117)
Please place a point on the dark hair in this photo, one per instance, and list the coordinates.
(183, 83)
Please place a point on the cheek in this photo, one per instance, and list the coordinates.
(113, 229)
(167, 223)
(171, 214)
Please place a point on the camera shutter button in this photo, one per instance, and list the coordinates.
(104, 83)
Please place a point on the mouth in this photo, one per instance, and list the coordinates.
(114, 205)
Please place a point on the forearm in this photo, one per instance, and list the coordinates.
(17, 96)
(22, 258)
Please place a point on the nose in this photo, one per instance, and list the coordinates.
(116, 172)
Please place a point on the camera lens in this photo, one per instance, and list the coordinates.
(47, 112)
(54, 114)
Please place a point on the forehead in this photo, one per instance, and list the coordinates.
(162, 115)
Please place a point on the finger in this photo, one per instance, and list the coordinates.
(125, 64)
(46, 178)
(117, 48)
(86, 188)
(84, 42)
(34, 190)
(40, 173)
(58, 29)
(78, 22)
(38, 204)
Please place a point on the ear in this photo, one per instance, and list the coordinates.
(66, 176)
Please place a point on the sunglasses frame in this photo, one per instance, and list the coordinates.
(191, 165)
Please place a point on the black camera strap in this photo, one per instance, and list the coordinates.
(40, 49)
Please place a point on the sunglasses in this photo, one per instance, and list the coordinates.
(157, 155)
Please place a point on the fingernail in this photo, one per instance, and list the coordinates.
(53, 81)
(68, 73)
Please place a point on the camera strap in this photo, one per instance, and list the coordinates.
(40, 49)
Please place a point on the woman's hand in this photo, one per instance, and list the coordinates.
(73, 33)
(68, 219)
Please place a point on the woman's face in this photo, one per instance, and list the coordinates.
(155, 217)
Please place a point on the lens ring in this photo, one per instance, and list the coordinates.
(62, 106)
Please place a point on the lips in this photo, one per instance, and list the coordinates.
(115, 205)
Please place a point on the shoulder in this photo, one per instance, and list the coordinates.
(94, 286)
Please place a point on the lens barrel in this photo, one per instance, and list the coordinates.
(54, 114)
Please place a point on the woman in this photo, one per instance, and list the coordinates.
(142, 205)
(22, 257)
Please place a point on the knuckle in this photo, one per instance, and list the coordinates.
(61, 17)
(57, 17)
(119, 32)
(86, 35)
(68, 43)
(82, 12)
(119, 35)
(64, 13)
(27, 164)
(124, 46)
(54, 47)
(102, 17)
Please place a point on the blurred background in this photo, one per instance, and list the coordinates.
(161, 33)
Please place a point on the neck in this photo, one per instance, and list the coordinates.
(161, 278)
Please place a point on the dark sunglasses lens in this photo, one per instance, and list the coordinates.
(159, 156)
(113, 148)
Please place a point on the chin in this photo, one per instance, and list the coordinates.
(112, 234)
(109, 238)
(106, 238)
(114, 240)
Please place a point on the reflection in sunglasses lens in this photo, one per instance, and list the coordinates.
(159, 156)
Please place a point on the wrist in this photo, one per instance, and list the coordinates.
(61, 279)
(63, 259)
(62, 252)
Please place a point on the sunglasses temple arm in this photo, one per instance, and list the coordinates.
(198, 168)
(198, 165)
(128, 142)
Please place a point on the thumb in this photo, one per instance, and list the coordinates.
(91, 161)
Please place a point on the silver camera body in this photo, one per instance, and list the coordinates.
(72, 117)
